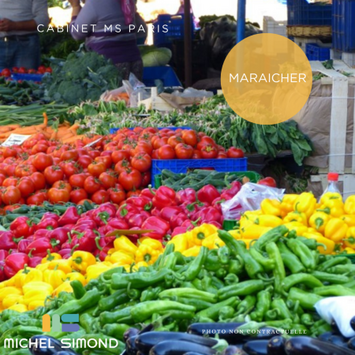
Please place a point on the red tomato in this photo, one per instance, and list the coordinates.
(197, 154)
(77, 195)
(121, 166)
(91, 185)
(119, 155)
(100, 197)
(53, 173)
(233, 152)
(166, 152)
(146, 178)
(77, 180)
(42, 161)
(130, 179)
(10, 181)
(159, 142)
(26, 186)
(62, 185)
(117, 195)
(175, 140)
(15, 70)
(268, 181)
(108, 180)
(11, 195)
(222, 155)
(39, 180)
(96, 168)
(69, 155)
(142, 162)
(106, 159)
(6, 73)
(48, 70)
(143, 147)
(84, 161)
(184, 151)
(205, 140)
(37, 198)
(190, 137)
(209, 152)
(56, 195)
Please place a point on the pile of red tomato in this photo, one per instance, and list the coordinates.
(115, 168)
(41, 70)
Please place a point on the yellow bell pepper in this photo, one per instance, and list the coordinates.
(153, 243)
(235, 233)
(65, 286)
(271, 207)
(9, 291)
(328, 197)
(120, 257)
(62, 264)
(140, 264)
(51, 257)
(306, 203)
(94, 271)
(147, 253)
(253, 232)
(248, 218)
(332, 204)
(349, 241)
(180, 242)
(349, 250)
(336, 230)
(81, 260)
(27, 275)
(296, 217)
(298, 227)
(194, 251)
(54, 277)
(35, 295)
(10, 300)
(330, 245)
(35, 304)
(349, 206)
(198, 234)
(19, 308)
(122, 243)
(40, 286)
(75, 276)
(287, 203)
(349, 219)
(268, 221)
(318, 221)
(213, 242)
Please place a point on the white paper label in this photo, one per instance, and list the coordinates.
(93, 143)
(15, 139)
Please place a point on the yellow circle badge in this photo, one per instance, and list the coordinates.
(266, 79)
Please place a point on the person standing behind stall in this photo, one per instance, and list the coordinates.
(92, 23)
(19, 41)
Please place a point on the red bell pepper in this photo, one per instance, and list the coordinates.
(217, 203)
(22, 227)
(103, 230)
(218, 225)
(88, 222)
(65, 253)
(155, 212)
(187, 195)
(84, 240)
(41, 233)
(40, 246)
(104, 213)
(14, 263)
(102, 254)
(59, 235)
(189, 224)
(210, 214)
(164, 197)
(70, 216)
(126, 210)
(48, 223)
(148, 193)
(177, 220)
(2, 273)
(50, 215)
(3, 255)
(34, 261)
(158, 225)
(179, 230)
(191, 209)
(8, 240)
(24, 243)
(168, 212)
(142, 203)
(118, 223)
(234, 188)
(207, 194)
(136, 220)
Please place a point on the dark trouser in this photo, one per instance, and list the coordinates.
(131, 67)
(20, 51)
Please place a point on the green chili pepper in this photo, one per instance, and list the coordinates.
(107, 275)
(223, 255)
(197, 303)
(262, 304)
(303, 252)
(212, 262)
(307, 320)
(272, 314)
(279, 269)
(231, 279)
(342, 269)
(266, 263)
(20, 352)
(306, 300)
(247, 305)
(144, 310)
(221, 273)
(334, 290)
(115, 330)
(115, 299)
(237, 247)
(350, 284)
(330, 278)
(151, 293)
(217, 283)
(235, 267)
(206, 284)
(119, 316)
(169, 250)
(196, 265)
(197, 283)
(86, 321)
(280, 305)
(170, 261)
(189, 293)
(306, 279)
(299, 330)
(78, 289)
(338, 260)
(139, 280)
(272, 236)
(244, 288)
(290, 260)
(213, 311)
(225, 313)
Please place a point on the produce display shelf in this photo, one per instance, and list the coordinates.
(164, 73)
(251, 175)
(29, 77)
(314, 52)
(182, 165)
(114, 130)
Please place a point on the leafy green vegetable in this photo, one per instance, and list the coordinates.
(155, 57)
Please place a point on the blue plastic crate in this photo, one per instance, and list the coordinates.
(28, 77)
(174, 25)
(343, 25)
(314, 52)
(182, 165)
(301, 12)
(114, 130)
(165, 73)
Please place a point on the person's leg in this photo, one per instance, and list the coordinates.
(7, 51)
(28, 53)
(124, 69)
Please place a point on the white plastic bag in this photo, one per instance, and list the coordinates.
(340, 310)
(249, 199)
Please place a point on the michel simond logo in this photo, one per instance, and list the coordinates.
(57, 326)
